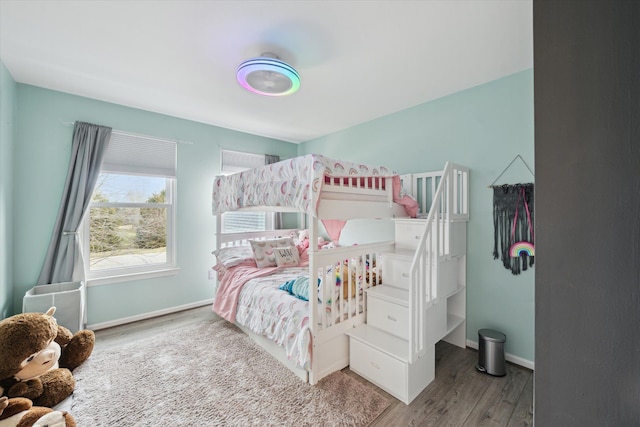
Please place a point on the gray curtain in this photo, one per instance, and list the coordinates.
(277, 219)
(64, 262)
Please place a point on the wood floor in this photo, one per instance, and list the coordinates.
(462, 396)
(459, 396)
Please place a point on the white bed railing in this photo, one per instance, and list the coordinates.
(374, 185)
(448, 196)
(348, 272)
(242, 238)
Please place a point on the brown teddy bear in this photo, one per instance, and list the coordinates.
(37, 356)
(20, 412)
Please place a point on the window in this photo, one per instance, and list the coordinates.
(129, 227)
(236, 222)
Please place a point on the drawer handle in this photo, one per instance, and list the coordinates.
(405, 274)
(375, 365)
(393, 319)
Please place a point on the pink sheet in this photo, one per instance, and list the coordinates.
(334, 228)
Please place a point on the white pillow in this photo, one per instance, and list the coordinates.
(263, 250)
(233, 255)
(287, 256)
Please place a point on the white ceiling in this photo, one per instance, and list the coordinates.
(358, 60)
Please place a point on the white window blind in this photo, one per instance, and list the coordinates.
(234, 222)
(142, 154)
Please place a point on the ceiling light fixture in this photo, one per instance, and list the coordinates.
(267, 75)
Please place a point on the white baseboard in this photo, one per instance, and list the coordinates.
(124, 320)
(149, 315)
(508, 357)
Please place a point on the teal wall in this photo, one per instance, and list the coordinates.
(41, 158)
(484, 128)
(7, 138)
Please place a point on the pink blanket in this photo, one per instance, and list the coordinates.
(231, 284)
(233, 281)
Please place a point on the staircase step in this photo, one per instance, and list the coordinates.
(401, 254)
(381, 341)
(390, 294)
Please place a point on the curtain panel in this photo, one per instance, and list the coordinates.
(64, 261)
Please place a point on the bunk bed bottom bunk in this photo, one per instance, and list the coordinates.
(332, 356)
(280, 322)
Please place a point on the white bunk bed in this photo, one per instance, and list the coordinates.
(323, 189)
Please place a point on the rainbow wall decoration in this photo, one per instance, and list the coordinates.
(522, 248)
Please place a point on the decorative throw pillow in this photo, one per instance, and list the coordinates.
(232, 256)
(287, 256)
(263, 250)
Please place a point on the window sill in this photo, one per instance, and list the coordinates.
(132, 277)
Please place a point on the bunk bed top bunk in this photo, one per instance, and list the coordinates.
(315, 185)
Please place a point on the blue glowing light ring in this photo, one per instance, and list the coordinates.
(270, 65)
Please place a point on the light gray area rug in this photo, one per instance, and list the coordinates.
(211, 374)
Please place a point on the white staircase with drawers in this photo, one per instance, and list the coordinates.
(422, 298)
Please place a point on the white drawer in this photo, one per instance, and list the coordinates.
(389, 317)
(395, 272)
(409, 233)
(386, 372)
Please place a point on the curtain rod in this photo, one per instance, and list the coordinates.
(139, 135)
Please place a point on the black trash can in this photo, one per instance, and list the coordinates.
(491, 352)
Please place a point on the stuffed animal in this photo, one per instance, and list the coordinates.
(302, 241)
(355, 278)
(348, 280)
(20, 412)
(37, 356)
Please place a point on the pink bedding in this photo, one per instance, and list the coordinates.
(231, 284)
(234, 279)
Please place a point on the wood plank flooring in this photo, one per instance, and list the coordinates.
(459, 396)
(462, 396)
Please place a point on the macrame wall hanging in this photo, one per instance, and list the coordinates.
(513, 224)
